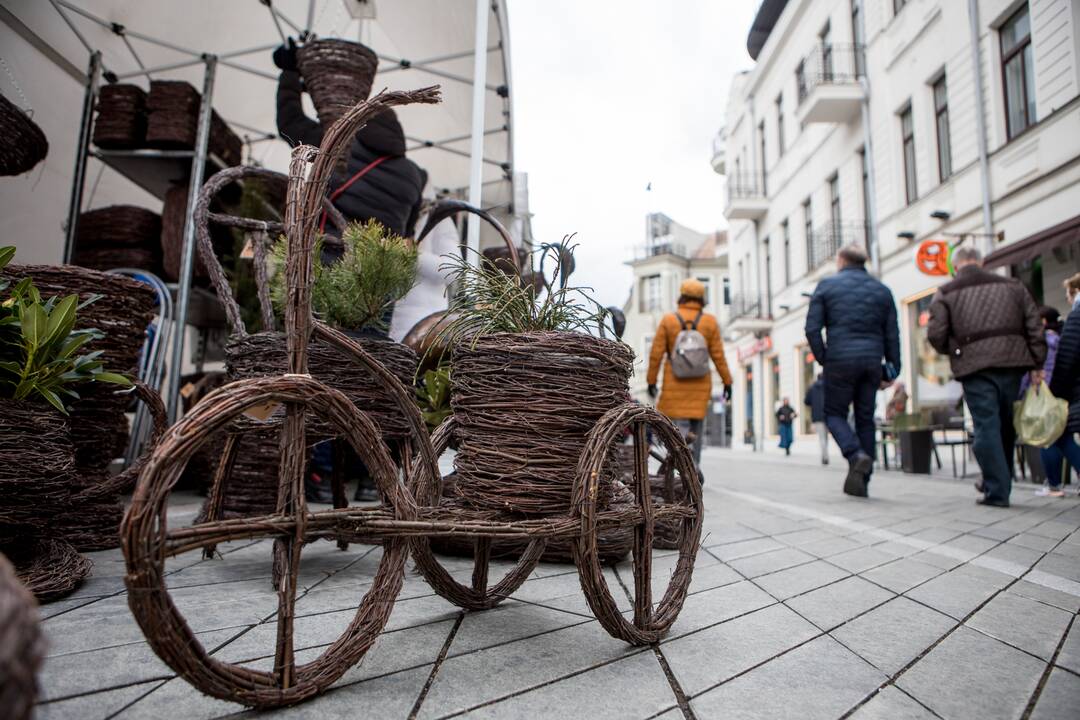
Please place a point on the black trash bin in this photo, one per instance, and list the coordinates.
(916, 447)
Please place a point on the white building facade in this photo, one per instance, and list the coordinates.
(671, 254)
(861, 123)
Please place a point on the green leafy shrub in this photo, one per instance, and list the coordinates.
(39, 345)
(377, 269)
(433, 396)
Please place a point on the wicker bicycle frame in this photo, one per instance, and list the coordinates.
(411, 513)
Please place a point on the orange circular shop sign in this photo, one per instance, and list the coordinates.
(934, 257)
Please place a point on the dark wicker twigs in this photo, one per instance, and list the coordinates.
(650, 621)
(37, 465)
(338, 74)
(22, 646)
(49, 568)
(524, 403)
(148, 540)
(22, 142)
(121, 120)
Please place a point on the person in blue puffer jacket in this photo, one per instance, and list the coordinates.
(860, 354)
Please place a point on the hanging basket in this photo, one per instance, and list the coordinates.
(121, 118)
(22, 143)
(524, 404)
(22, 645)
(337, 74)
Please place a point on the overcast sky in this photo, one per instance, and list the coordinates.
(610, 95)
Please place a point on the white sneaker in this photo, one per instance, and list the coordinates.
(1047, 491)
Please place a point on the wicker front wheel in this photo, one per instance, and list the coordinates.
(478, 595)
(650, 621)
(147, 542)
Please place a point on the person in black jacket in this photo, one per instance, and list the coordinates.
(1065, 378)
(815, 400)
(859, 315)
(390, 189)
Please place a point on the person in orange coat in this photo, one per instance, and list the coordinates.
(685, 401)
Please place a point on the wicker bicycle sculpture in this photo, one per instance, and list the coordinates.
(410, 514)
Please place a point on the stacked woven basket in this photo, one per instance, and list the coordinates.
(173, 121)
(121, 120)
(118, 236)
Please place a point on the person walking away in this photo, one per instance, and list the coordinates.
(989, 327)
(1064, 379)
(815, 400)
(858, 314)
(685, 341)
(785, 416)
(378, 183)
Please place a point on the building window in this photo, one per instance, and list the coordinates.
(780, 144)
(907, 133)
(808, 230)
(1018, 72)
(761, 149)
(941, 115)
(898, 5)
(651, 293)
(768, 275)
(727, 288)
(834, 203)
(858, 37)
(787, 252)
(800, 81)
(825, 37)
(707, 282)
(864, 162)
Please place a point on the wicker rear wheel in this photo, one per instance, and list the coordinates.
(479, 595)
(650, 621)
(147, 542)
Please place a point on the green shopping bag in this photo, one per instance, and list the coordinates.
(1039, 418)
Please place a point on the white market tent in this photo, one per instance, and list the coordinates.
(47, 46)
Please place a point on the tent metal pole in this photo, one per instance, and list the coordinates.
(198, 169)
(81, 153)
(310, 17)
(432, 60)
(249, 70)
(159, 68)
(476, 161)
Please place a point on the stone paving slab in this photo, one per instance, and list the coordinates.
(914, 603)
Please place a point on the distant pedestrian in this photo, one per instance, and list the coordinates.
(815, 400)
(785, 416)
(858, 314)
(990, 328)
(685, 341)
(1064, 380)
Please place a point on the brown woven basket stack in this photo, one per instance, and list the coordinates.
(121, 118)
(173, 215)
(37, 480)
(523, 416)
(22, 646)
(118, 236)
(22, 143)
(337, 74)
(173, 121)
(122, 311)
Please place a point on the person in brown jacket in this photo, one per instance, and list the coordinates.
(990, 328)
(686, 400)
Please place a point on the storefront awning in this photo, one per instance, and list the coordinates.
(1029, 248)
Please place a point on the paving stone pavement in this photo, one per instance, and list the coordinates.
(805, 603)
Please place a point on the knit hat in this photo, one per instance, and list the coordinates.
(692, 288)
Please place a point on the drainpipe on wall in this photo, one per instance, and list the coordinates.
(980, 124)
(871, 202)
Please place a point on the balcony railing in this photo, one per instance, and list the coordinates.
(643, 252)
(823, 244)
(745, 186)
(746, 305)
(834, 64)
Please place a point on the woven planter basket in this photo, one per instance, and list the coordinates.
(22, 646)
(337, 74)
(22, 142)
(524, 404)
(49, 568)
(173, 121)
(121, 118)
(118, 236)
(37, 466)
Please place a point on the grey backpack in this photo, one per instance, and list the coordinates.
(690, 356)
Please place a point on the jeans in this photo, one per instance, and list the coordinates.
(697, 427)
(850, 382)
(1064, 449)
(989, 395)
(787, 435)
(823, 439)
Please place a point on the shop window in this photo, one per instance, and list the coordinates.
(1018, 72)
(935, 386)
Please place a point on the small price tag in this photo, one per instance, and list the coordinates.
(262, 412)
(185, 392)
(248, 251)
